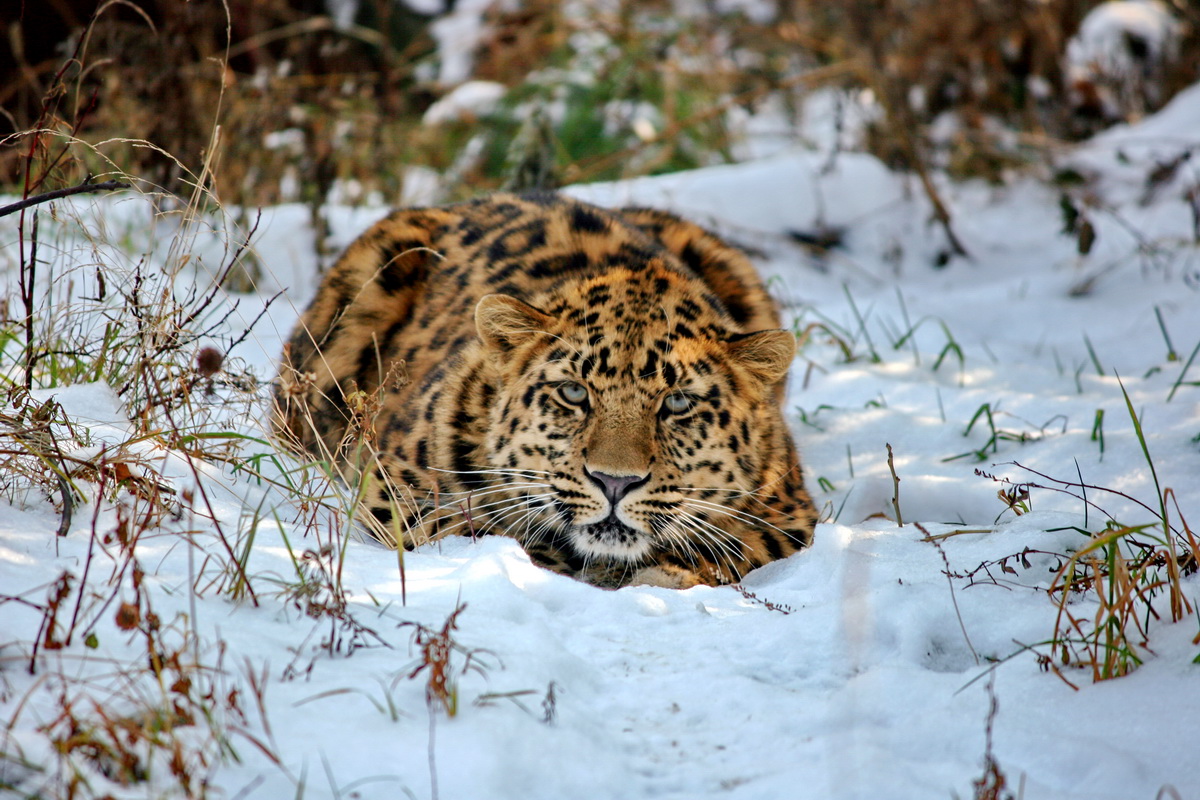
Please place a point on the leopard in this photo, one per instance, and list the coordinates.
(605, 386)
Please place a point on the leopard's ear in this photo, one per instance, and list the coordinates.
(503, 321)
(768, 354)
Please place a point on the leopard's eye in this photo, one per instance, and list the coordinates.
(573, 393)
(677, 402)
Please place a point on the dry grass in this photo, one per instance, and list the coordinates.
(155, 327)
(1107, 591)
(1123, 572)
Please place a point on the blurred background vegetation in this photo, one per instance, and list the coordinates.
(267, 101)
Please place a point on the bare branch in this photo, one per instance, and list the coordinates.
(46, 197)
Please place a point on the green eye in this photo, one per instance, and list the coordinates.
(574, 393)
(677, 402)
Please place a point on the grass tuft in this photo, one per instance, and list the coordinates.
(1120, 571)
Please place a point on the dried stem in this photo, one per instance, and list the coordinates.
(895, 488)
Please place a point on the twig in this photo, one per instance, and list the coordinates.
(26, 281)
(304, 28)
(46, 197)
(431, 751)
(895, 488)
(782, 608)
(1069, 484)
(903, 123)
(950, 579)
(250, 327)
(991, 785)
(940, 212)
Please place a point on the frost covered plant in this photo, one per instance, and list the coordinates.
(142, 706)
(1126, 568)
(33, 437)
(319, 594)
(1122, 570)
(437, 648)
(1107, 591)
(156, 724)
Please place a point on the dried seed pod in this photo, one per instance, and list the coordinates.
(209, 361)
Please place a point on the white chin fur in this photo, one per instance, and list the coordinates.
(603, 514)
(605, 547)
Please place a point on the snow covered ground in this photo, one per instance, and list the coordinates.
(861, 670)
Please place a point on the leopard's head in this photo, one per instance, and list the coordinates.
(627, 412)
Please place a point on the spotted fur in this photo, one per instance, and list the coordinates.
(602, 386)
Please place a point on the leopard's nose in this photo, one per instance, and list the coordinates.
(616, 486)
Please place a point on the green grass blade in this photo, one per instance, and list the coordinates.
(1137, 427)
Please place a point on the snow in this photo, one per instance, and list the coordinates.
(1102, 41)
(873, 684)
(342, 11)
(467, 101)
(457, 34)
(1120, 52)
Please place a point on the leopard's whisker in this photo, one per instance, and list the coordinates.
(531, 504)
(511, 518)
(737, 494)
(734, 490)
(525, 483)
(490, 490)
(688, 543)
(711, 529)
(675, 534)
(471, 508)
(535, 536)
(490, 486)
(550, 520)
(734, 513)
(715, 535)
(492, 471)
(488, 519)
(749, 519)
(496, 482)
(498, 509)
(531, 511)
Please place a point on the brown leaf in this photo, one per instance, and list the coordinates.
(1087, 237)
(128, 616)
